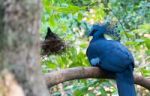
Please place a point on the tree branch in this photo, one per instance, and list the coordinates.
(56, 77)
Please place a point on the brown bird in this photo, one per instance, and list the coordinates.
(52, 44)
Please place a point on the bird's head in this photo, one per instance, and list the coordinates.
(99, 30)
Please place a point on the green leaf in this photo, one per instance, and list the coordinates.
(145, 72)
(80, 16)
(81, 91)
(147, 42)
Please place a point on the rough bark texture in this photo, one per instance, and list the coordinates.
(60, 76)
(20, 46)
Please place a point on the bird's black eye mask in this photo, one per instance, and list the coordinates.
(92, 32)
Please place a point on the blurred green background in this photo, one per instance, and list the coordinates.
(71, 21)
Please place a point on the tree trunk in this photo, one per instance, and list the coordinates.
(20, 73)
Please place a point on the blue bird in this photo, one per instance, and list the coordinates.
(112, 57)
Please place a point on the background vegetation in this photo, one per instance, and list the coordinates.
(72, 19)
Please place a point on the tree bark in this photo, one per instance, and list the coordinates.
(20, 48)
(60, 76)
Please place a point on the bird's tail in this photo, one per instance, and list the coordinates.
(125, 83)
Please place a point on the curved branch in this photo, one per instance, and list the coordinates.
(56, 77)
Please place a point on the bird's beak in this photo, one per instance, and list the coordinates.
(90, 33)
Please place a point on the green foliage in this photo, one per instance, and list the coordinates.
(70, 19)
(95, 87)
